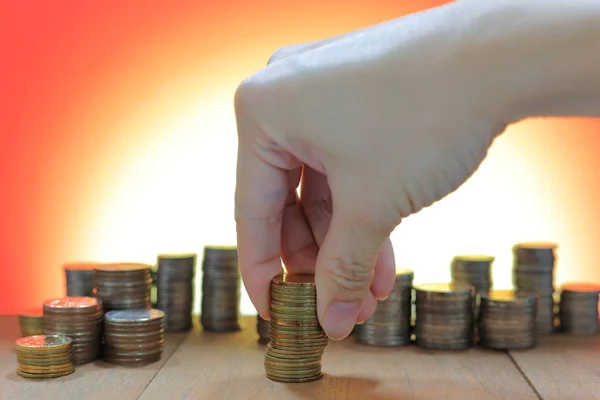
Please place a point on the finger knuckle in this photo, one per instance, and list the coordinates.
(350, 276)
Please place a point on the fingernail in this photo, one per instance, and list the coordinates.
(340, 319)
(382, 298)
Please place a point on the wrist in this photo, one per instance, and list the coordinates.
(535, 58)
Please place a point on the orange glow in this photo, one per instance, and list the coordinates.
(119, 143)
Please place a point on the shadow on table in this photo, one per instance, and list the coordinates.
(13, 377)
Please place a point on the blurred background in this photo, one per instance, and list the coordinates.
(119, 143)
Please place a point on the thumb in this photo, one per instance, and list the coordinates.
(344, 272)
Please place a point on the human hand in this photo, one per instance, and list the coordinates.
(377, 125)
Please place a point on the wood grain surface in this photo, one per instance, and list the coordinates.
(229, 366)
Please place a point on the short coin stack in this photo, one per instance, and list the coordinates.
(262, 328)
(507, 320)
(32, 322)
(175, 290)
(123, 286)
(533, 271)
(475, 270)
(444, 315)
(297, 340)
(133, 337)
(44, 356)
(79, 318)
(390, 325)
(579, 308)
(221, 289)
(79, 279)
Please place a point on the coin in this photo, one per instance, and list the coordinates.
(444, 315)
(123, 285)
(221, 289)
(296, 340)
(578, 308)
(79, 278)
(44, 356)
(533, 272)
(390, 324)
(133, 337)
(32, 322)
(507, 321)
(79, 318)
(475, 270)
(175, 289)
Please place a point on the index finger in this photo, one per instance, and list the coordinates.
(260, 195)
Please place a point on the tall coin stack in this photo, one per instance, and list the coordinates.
(507, 320)
(32, 322)
(475, 270)
(297, 340)
(221, 289)
(175, 290)
(123, 285)
(444, 315)
(79, 279)
(80, 318)
(44, 356)
(533, 271)
(579, 308)
(262, 329)
(133, 337)
(390, 325)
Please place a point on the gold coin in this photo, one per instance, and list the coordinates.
(44, 343)
(44, 376)
(295, 380)
(294, 280)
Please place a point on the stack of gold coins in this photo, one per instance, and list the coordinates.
(133, 337)
(475, 270)
(221, 289)
(297, 340)
(44, 356)
(32, 322)
(444, 315)
(579, 308)
(79, 279)
(79, 318)
(533, 272)
(123, 286)
(390, 325)
(507, 320)
(262, 329)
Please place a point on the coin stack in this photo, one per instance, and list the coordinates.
(390, 325)
(444, 315)
(507, 320)
(79, 279)
(475, 270)
(44, 356)
(579, 308)
(123, 286)
(175, 290)
(297, 340)
(32, 322)
(221, 289)
(262, 328)
(133, 337)
(79, 318)
(533, 272)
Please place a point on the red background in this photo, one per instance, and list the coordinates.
(118, 142)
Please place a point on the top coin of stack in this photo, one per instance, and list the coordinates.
(474, 270)
(533, 271)
(390, 325)
(507, 320)
(80, 318)
(444, 315)
(175, 289)
(32, 322)
(79, 279)
(123, 286)
(297, 340)
(44, 356)
(221, 289)
(579, 308)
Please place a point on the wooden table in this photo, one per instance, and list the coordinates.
(199, 365)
